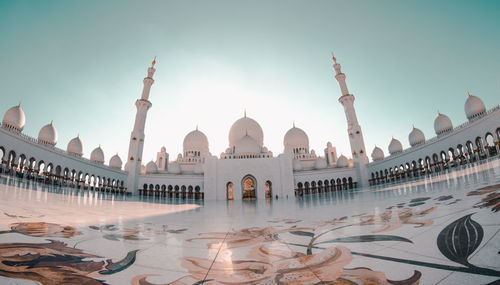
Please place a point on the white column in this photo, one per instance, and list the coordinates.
(137, 136)
(353, 128)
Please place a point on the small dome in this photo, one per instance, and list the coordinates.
(416, 137)
(245, 126)
(151, 167)
(14, 118)
(377, 154)
(265, 150)
(174, 168)
(115, 162)
(395, 146)
(342, 161)
(297, 165)
(75, 146)
(295, 138)
(319, 163)
(97, 155)
(198, 168)
(247, 144)
(48, 134)
(143, 169)
(442, 124)
(474, 107)
(195, 141)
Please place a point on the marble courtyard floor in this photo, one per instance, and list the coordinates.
(438, 230)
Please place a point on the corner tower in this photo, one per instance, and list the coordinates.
(137, 137)
(353, 128)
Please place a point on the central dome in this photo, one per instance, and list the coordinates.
(245, 126)
(295, 138)
(247, 145)
(195, 141)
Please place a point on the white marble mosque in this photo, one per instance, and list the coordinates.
(248, 169)
(423, 215)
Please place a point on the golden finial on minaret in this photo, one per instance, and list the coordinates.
(154, 62)
(334, 58)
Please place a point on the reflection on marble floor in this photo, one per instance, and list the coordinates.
(443, 229)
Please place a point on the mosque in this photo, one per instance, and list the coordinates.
(247, 169)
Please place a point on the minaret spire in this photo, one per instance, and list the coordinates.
(353, 128)
(136, 145)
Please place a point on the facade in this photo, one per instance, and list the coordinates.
(247, 169)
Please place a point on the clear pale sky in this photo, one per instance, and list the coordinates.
(81, 64)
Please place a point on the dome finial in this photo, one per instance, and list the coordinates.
(294, 124)
(413, 126)
(468, 93)
(196, 126)
(439, 113)
(334, 58)
(19, 105)
(154, 62)
(51, 122)
(245, 113)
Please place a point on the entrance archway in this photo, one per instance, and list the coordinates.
(249, 186)
(229, 191)
(269, 190)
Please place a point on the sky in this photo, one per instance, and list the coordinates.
(81, 64)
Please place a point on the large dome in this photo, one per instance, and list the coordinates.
(97, 155)
(75, 146)
(14, 118)
(377, 153)
(320, 163)
(395, 146)
(416, 137)
(151, 167)
(115, 162)
(442, 124)
(247, 145)
(195, 141)
(474, 106)
(245, 126)
(295, 138)
(342, 161)
(48, 134)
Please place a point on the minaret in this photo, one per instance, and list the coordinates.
(353, 128)
(137, 137)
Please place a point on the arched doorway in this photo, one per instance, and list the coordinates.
(229, 191)
(249, 186)
(269, 190)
